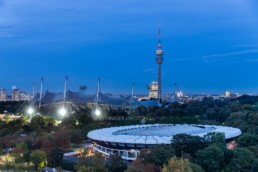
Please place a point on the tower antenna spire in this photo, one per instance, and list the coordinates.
(159, 35)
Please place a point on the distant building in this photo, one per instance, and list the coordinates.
(227, 94)
(8, 98)
(153, 90)
(3, 95)
(231, 95)
(19, 95)
(25, 96)
(234, 95)
(16, 94)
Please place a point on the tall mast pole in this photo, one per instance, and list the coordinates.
(98, 90)
(65, 90)
(41, 89)
(33, 90)
(132, 97)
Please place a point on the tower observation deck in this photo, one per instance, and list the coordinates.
(159, 61)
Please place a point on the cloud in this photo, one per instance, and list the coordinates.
(251, 51)
(183, 59)
(252, 60)
(246, 46)
(8, 35)
(147, 70)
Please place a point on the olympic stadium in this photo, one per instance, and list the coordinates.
(128, 140)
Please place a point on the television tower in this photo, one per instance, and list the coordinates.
(159, 61)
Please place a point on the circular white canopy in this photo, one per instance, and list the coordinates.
(157, 133)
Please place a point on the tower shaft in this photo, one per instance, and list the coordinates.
(159, 82)
(98, 90)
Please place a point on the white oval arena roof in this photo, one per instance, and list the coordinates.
(157, 133)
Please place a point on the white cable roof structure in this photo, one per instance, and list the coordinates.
(136, 135)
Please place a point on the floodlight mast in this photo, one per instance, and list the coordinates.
(33, 90)
(65, 91)
(98, 90)
(63, 110)
(132, 97)
(41, 89)
(97, 110)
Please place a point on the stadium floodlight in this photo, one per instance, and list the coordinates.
(62, 111)
(30, 111)
(97, 112)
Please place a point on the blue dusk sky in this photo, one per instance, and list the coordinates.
(210, 45)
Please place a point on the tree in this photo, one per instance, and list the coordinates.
(22, 121)
(211, 158)
(138, 165)
(187, 143)
(38, 157)
(56, 156)
(216, 138)
(157, 155)
(255, 166)
(61, 139)
(76, 136)
(142, 110)
(146, 156)
(162, 153)
(242, 160)
(247, 140)
(7, 119)
(116, 163)
(92, 163)
(196, 167)
(98, 162)
(86, 169)
(38, 122)
(133, 169)
(177, 165)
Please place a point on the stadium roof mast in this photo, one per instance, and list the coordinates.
(98, 90)
(41, 89)
(131, 102)
(65, 91)
(33, 90)
(62, 110)
(159, 61)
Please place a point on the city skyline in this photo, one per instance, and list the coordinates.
(210, 47)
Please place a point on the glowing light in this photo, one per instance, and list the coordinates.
(97, 112)
(62, 111)
(179, 94)
(30, 111)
